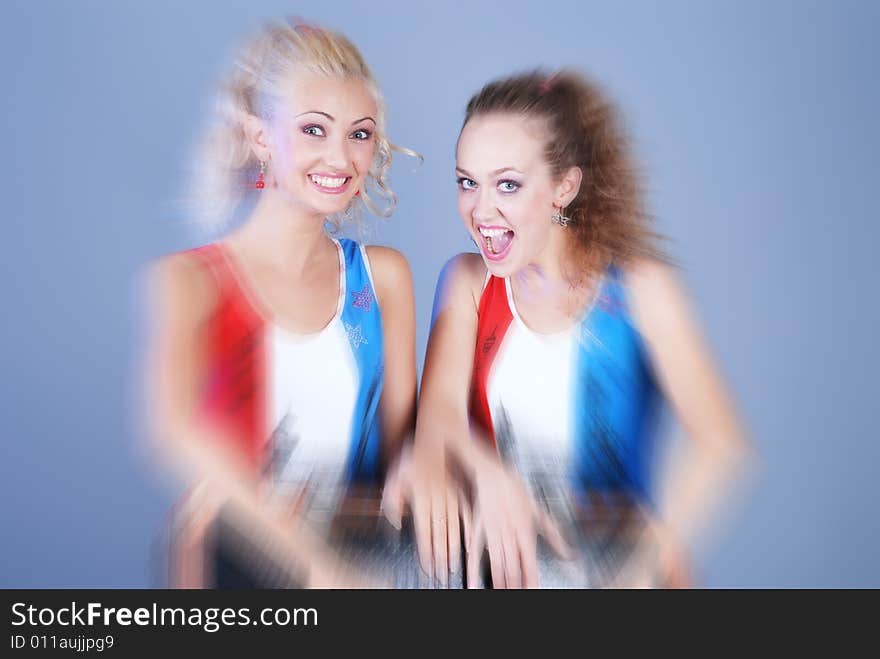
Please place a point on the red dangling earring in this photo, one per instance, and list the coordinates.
(357, 192)
(261, 183)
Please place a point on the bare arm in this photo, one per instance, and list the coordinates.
(184, 299)
(500, 514)
(394, 288)
(420, 477)
(691, 383)
(442, 425)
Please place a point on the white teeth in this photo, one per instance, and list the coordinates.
(327, 182)
(492, 233)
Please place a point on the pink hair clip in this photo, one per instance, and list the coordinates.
(547, 84)
(300, 24)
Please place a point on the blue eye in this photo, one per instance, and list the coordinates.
(509, 186)
(361, 134)
(314, 129)
(465, 183)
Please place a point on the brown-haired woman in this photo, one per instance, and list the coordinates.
(550, 348)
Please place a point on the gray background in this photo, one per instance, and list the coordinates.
(755, 123)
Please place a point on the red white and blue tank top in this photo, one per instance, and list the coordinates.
(569, 408)
(303, 407)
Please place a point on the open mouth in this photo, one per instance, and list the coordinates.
(329, 184)
(496, 241)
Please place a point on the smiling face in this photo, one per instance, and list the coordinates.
(321, 141)
(506, 191)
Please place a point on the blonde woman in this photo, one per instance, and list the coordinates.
(272, 387)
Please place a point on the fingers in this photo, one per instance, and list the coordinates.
(421, 512)
(397, 486)
(511, 557)
(512, 550)
(452, 533)
(551, 533)
(528, 555)
(434, 506)
(674, 565)
(467, 523)
(392, 500)
(475, 547)
(496, 558)
(439, 525)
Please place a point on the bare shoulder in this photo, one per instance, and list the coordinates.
(462, 277)
(651, 276)
(653, 285)
(387, 263)
(467, 266)
(182, 286)
(659, 303)
(391, 272)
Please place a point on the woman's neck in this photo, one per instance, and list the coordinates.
(549, 280)
(284, 236)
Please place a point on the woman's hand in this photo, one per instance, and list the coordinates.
(420, 481)
(659, 560)
(673, 559)
(506, 522)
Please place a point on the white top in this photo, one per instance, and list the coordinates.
(313, 385)
(529, 389)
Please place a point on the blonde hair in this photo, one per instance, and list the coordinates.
(226, 166)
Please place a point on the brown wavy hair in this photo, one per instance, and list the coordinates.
(608, 218)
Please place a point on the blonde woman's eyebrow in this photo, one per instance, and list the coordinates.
(324, 114)
(332, 118)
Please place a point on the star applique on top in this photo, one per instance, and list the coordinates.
(363, 299)
(586, 337)
(355, 335)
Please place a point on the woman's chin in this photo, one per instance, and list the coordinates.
(502, 269)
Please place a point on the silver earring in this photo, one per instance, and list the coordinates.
(559, 218)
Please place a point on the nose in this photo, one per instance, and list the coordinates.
(337, 156)
(484, 208)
